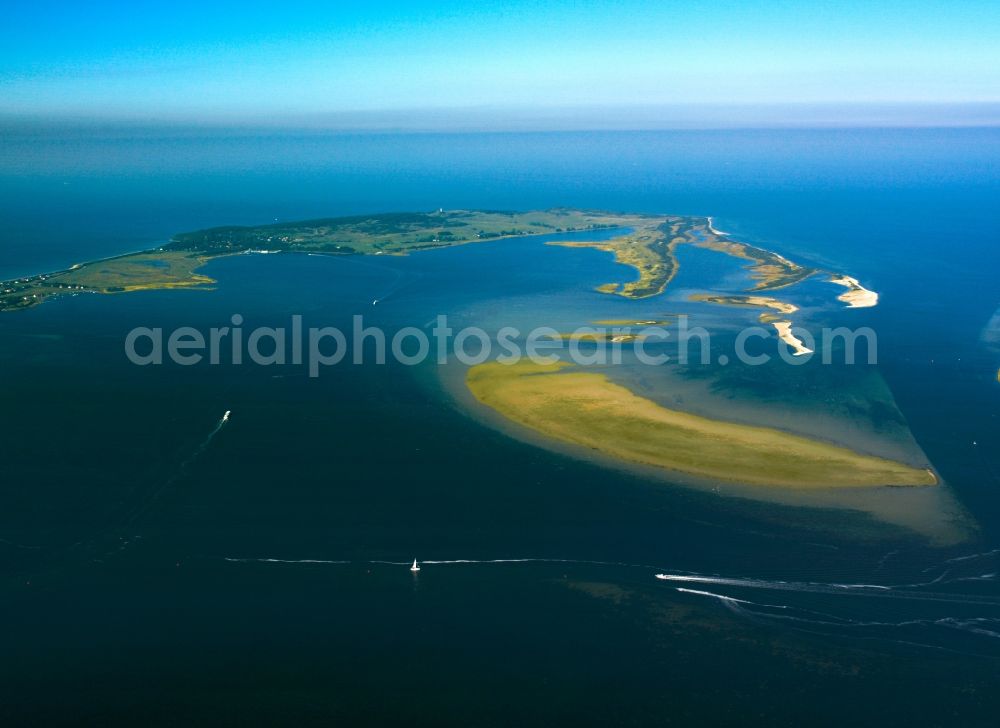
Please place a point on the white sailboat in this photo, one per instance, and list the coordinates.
(415, 567)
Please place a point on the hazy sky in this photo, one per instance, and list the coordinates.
(269, 59)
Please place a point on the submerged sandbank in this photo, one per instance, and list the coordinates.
(587, 409)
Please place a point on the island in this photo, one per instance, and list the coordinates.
(647, 243)
(587, 409)
(579, 407)
(175, 264)
(766, 302)
(651, 250)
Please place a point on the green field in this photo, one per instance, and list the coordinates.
(397, 233)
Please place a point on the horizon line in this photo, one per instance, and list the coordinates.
(523, 118)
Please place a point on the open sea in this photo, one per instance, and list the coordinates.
(159, 566)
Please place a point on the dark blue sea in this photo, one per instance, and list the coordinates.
(158, 568)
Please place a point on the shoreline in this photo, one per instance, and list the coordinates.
(856, 295)
(646, 244)
(385, 233)
(714, 230)
(784, 329)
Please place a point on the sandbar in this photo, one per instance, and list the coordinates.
(784, 329)
(856, 296)
(587, 409)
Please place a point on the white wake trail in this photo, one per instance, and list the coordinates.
(899, 591)
(284, 561)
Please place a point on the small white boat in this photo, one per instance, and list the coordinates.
(225, 417)
(415, 567)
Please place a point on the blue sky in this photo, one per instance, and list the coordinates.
(272, 59)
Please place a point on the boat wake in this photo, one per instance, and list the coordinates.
(937, 614)
(897, 591)
(286, 561)
(180, 472)
(441, 562)
(206, 442)
(969, 635)
(929, 616)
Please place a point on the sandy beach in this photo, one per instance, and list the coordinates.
(784, 329)
(856, 296)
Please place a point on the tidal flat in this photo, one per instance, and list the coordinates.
(587, 409)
